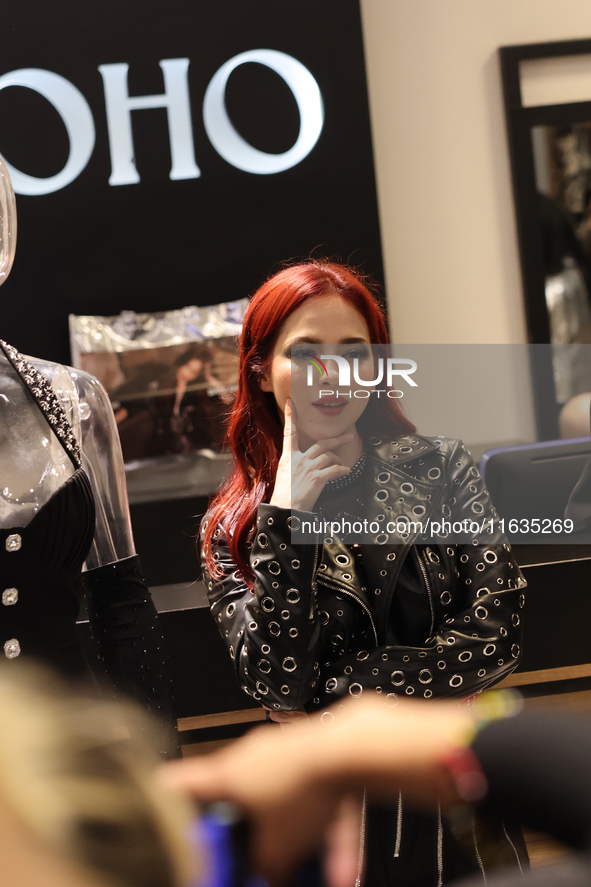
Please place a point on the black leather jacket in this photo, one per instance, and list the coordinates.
(311, 632)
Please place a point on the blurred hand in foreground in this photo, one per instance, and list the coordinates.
(301, 788)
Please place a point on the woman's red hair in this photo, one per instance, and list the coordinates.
(255, 433)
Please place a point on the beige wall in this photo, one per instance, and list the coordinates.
(444, 187)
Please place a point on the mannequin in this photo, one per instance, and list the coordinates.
(64, 514)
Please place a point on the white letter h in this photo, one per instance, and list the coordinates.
(175, 99)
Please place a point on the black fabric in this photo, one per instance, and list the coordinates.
(409, 606)
(125, 627)
(417, 863)
(45, 571)
(537, 767)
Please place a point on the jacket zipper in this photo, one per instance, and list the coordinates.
(314, 582)
(478, 856)
(440, 847)
(361, 840)
(335, 586)
(398, 827)
(514, 848)
(429, 592)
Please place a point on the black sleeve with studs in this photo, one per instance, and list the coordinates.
(272, 632)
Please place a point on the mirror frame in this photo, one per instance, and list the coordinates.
(519, 121)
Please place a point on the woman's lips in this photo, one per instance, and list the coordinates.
(328, 409)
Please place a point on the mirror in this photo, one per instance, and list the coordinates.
(547, 93)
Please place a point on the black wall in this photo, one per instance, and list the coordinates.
(95, 248)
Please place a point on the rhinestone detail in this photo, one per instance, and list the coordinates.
(13, 542)
(12, 649)
(9, 596)
(47, 401)
(341, 483)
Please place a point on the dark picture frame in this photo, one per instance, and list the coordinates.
(520, 121)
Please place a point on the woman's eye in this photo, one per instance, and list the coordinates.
(360, 353)
(301, 353)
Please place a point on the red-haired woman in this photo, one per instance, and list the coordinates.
(307, 624)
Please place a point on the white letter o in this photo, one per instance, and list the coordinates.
(77, 117)
(229, 143)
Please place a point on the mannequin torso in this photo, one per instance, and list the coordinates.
(34, 463)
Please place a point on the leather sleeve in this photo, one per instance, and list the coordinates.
(124, 625)
(479, 641)
(272, 632)
(470, 650)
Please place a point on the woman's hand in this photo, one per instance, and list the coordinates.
(301, 477)
(286, 719)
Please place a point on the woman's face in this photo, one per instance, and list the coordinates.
(327, 319)
(189, 371)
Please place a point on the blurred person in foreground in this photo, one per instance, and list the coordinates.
(294, 786)
(79, 801)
